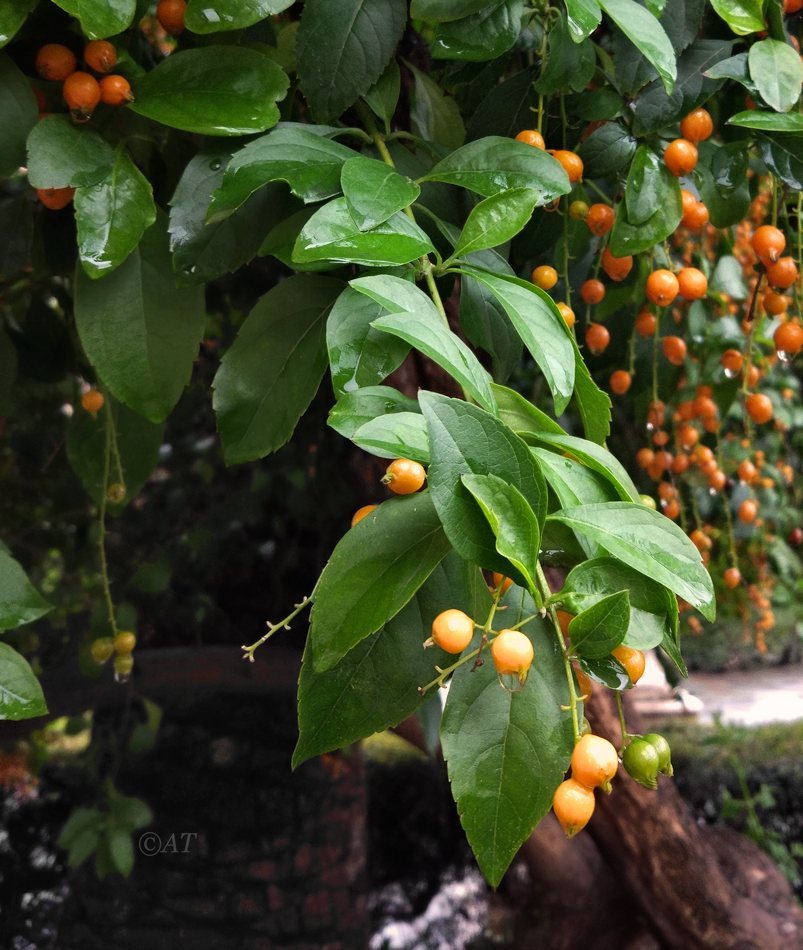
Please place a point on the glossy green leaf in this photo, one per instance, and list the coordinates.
(484, 35)
(445, 10)
(728, 278)
(593, 405)
(374, 192)
(271, 373)
(607, 671)
(777, 71)
(742, 16)
(735, 67)
(568, 66)
(20, 602)
(521, 415)
(784, 155)
(629, 237)
(495, 164)
(343, 49)
(725, 206)
(112, 215)
(595, 457)
(434, 115)
(512, 520)
(768, 121)
(13, 14)
(542, 329)
(139, 331)
(485, 323)
(647, 34)
(21, 695)
(395, 294)
(584, 17)
(138, 444)
(649, 542)
(645, 185)
(375, 685)
(62, 155)
(395, 435)
(214, 16)
(496, 220)
(383, 96)
(607, 150)
(465, 440)
(505, 109)
(358, 354)
(599, 629)
(100, 18)
(507, 752)
(331, 235)
(372, 573)
(212, 90)
(653, 608)
(354, 409)
(18, 115)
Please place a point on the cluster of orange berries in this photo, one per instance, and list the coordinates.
(511, 650)
(81, 91)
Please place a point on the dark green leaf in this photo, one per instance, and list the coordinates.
(79, 822)
(214, 16)
(646, 34)
(121, 850)
(776, 70)
(100, 18)
(725, 206)
(650, 543)
(568, 65)
(735, 67)
(434, 115)
(268, 378)
(112, 215)
(633, 237)
(13, 14)
(521, 415)
(354, 409)
(445, 10)
(597, 105)
(512, 520)
(130, 813)
(583, 17)
(645, 185)
(213, 90)
(466, 440)
(592, 403)
(506, 109)
(607, 671)
(607, 150)
(481, 36)
(784, 155)
(383, 96)
(20, 602)
(62, 155)
(507, 752)
(395, 435)
(139, 331)
(768, 121)
(597, 458)
(372, 573)
(742, 16)
(20, 693)
(485, 324)
(599, 629)
(496, 220)
(343, 49)
(375, 685)
(374, 192)
(331, 235)
(495, 164)
(18, 115)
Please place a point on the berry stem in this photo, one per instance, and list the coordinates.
(249, 651)
(622, 725)
(553, 613)
(748, 356)
(104, 566)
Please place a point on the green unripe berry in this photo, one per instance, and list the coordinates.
(642, 762)
(661, 746)
(648, 501)
(125, 641)
(101, 649)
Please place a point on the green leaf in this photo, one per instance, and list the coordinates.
(215, 16)
(354, 409)
(742, 16)
(485, 324)
(496, 220)
(18, 115)
(376, 683)
(776, 70)
(735, 67)
(331, 235)
(484, 35)
(568, 66)
(383, 96)
(79, 822)
(372, 573)
(607, 150)
(397, 434)
(505, 109)
(768, 121)
(631, 236)
(445, 10)
(100, 18)
(646, 34)
(121, 850)
(495, 164)
(650, 543)
(521, 415)
(784, 155)
(273, 369)
(426, 331)
(359, 355)
(653, 608)
(343, 49)
(645, 185)
(112, 215)
(584, 17)
(512, 520)
(139, 331)
(434, 115)
(13, 14)
(374, 192)
(62, 155)
(466, 440)
(541, 327)
(138, 444)
(507, 752)
(725, 206)
(599, 629)
(213, 90)
(607, 671)
(20, 602)
(592, 403)
(129, 813)
(20, 693)
(597, 458)
(728, 278)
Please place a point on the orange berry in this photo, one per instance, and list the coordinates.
(672, 510)
(680, 157)
(674, 350)
(500, 579)
(170, 14)
(662, 287)
(403, 477)
(592, 291)
(789, 338)
(680, 463)
(92, 401)
(695, 213)
(746, 471)
(584, 681)
(620, 381)
(453, 630)
(361, 513)
(732, 361)
(512, 653)
(115, 91)
(55, 62)
(717, 480)
(632, 660)
(783, 273)
(792, 6)
(100, 55)
(573, 805)
(768, 242)
(82, 94)
(594, 761)
(645, 457)
(774, 303)
(568, 314)
(617, 268)
(646, 323)
(697, 126)
(692, 282)
(747, 511)
(531, 137)
(55, 198)
(597, 338)
(600, 219)
(544, 277)
(571, 162)
(759, 407)
(732, 578)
